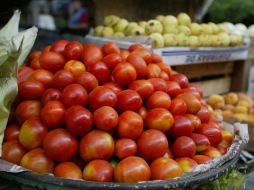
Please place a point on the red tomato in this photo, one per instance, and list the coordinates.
(124, 54)
(142, 52)
(158, 99)
(60, 145)
(139, 64)
(181, 79)
(98, 170)
(68, 170)
(62, 79)
(152, 144)
(78, 120)
(130, 125)
(164, 75)
(201, 159)
(143, 112)
(159, 118)
(31, 89)
(212, 152)
(105, 118)
(75, 67)
(128, 100)
(43, 76)
(11, 132)
(113, 86)
(196, 123)
(102, 96)
(201, 141)
(59, 46)
(46, 49)
(154, 58)
(24, 73)
(112, 60)
(159, 84)
(35, 64)
(187, 164)
(124, 74)
(32, 133)
(191, 91)
(153, 71)
(73, 50)
(50, 94)
(165, 68)
(13, 151)
(28, 109)
(74, 94)
(204, 114)
(135, 46)
(182, 126)
(96, 144)
(52, 61)
(193, 104)
(131, 170)
(213, 133)
(125, 147)
(34, 55)
(101, 71)
(91, 54)
(169, 154)
(52, 114)
(184, 147)
(165, 168)
(198, 88)
(110, 47)
(178, 106)
(143, 87)
(173, 88)
(87, 80)
(36, 160)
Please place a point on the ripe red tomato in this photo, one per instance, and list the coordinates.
(181, 79)
(165, 168)
(182, 126)
(75, 67)
(52, 61)
(31, 89)
(28, 109)
(153, 71)
(143, 112)
(101, 71)
(128, 100)
(135, 46)
(46, 49)
(212, 133)
(36, 160)
(96, 144)
(78, 120)
(154, 58)
(130, 125)
(13, 151)
(158, 99)
(74, 94)
(201, 159)
(11, 132)
(184, 147)
(59, 46)
(124, 74)
(34, 55)
(196, 123)
(159, 84)
(193, 104)
(204, 114)
(173, 88)
(139, 64)
(198, 88)
(98, 170)
(143, 87)
(131, 170)
(35, 64)
(32, 133)
(113, 86)
(112, 60)
(91, 54)
(50, 94)
(105, 118)
(178, 106)
(125, 147)
(52, 114)
(62, 79)
(124, 54)
(187, 164)
(192, 91)
(110, 47)
(152, 144)
(159, 118)
(24, 73)
(60, 145)
(43, 76)
(165, 68)
(164, 75)
(211, 152)
(145, 53)
(102, 96)
(68, 170)
(87, 80)
(201, 141)
(73, 50)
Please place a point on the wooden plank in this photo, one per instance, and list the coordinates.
(215, 86)
(205, 69)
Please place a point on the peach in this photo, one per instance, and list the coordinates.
(187, 164)
(231, 98)
(216, 101)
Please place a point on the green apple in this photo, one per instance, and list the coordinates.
(196, 29)
(206, 29)
(129, 28)
(142, 24)
(169, 20)
(194, 41)
(153, 26)
(137, 31)
(169, 40)
(215, 40)
(157, 40)
(183, 19)
(119, 34)
(98, 30)
(224, 39)
(182, 40)
(111, 20)
(107, 32)
(159, 18)
(170, 29)
(184, 29)
(121, 25)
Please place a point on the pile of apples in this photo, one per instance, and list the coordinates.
(233, 106)
(171, 31)
(105, 114)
